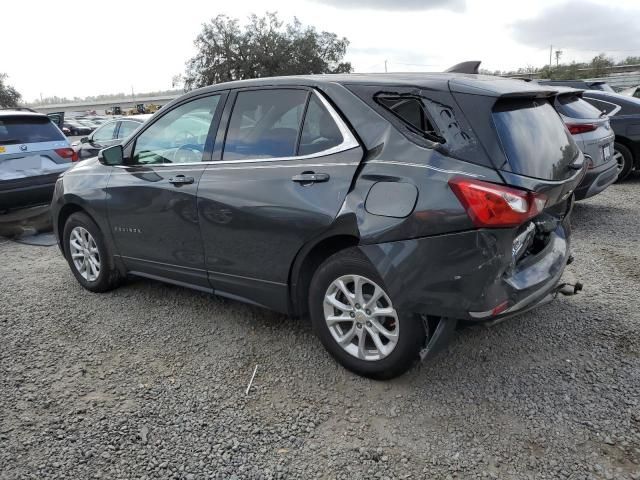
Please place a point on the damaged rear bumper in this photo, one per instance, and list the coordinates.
(468, 275)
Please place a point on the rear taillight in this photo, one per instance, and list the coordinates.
(496, 206)
(578, 128)
(69, 153)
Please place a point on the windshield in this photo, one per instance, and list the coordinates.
(534, 139)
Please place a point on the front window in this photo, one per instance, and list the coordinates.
(178, 136)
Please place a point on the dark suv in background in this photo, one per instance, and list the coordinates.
(386, 207)
(624, 115)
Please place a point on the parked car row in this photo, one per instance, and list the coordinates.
(109, 133)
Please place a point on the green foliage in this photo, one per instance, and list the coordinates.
(599, 66)
(54, 100)
(9, 96)
(264, 47)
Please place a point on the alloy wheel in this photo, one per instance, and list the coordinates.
(619, 160)
(84, 253)
(361, 317)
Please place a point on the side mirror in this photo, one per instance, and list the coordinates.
(111, 155)
(84, 139)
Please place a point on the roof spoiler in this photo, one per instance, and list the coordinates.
(471, 66)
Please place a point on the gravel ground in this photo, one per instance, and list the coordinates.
(149, 381)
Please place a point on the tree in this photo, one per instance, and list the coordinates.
(9, 96)
(600, 65)
(264, 47)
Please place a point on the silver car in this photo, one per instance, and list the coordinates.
(593, 134)
(33, 153)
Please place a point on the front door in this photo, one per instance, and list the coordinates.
(152, 198)
(286, 166)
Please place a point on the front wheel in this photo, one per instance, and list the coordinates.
(87, 254)
(357, 322)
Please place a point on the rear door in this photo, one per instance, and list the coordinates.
(286, 165)
(152, 199)
(57, 118)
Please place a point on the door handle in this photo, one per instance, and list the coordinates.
(181, 180)
(310, 177)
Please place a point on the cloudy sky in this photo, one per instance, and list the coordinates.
(110, 47)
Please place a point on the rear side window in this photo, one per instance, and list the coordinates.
(319, 131)
(534, 139)
(411, 111)
(25, 129)
(265, 124)
(105, 132)
(573, 106)
(127, 128)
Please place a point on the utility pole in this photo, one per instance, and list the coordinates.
(550, 55)
(385, 66)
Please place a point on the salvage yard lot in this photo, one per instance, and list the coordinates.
(148, 381)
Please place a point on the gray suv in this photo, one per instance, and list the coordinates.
(33, 152)
(385, 207)
(592, 132)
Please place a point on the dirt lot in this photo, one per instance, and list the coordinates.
(149, 381)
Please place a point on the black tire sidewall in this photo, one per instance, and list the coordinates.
(411, 335)
(628, 160)
(108, 273)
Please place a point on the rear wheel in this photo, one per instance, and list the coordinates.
(356, 320)
(87, 254)
(624, 158)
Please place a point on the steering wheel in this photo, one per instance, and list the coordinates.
(184, 137)
(188, 153)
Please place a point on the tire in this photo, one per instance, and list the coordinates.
(625, 160)
(408, 331)
(101, 279)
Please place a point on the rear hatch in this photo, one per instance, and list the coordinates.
(532, 150)
(31, 146)
(523, 135)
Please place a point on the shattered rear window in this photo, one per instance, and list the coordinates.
(411, 111)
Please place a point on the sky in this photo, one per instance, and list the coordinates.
(97, 48)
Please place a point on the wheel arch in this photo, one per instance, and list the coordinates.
(307, 262)
(65, 212)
